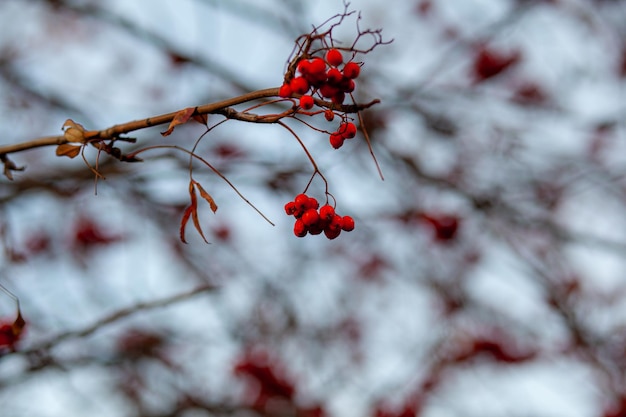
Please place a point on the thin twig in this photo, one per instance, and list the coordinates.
(118, 315)
(215, 170)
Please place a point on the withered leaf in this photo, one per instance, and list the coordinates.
(74, 132)
(180, 118)
(191, 211)
(194, 212)
(183, 223)
(203, 119)
(70, 151)
(207, 197)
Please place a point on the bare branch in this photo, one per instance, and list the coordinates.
(118, 315)
(221, 107)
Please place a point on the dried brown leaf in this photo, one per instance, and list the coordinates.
(70, 151)
(183, 223)
(180, 118)
(207, 197)
(74, 132)
(194, 212)
(191, 211)
(203, 119)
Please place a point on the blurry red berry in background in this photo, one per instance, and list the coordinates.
(445, 226)
(488, 62)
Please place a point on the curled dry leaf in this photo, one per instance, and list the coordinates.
(71, 151)
(183, 222)
(192, 210)
(181, 118)
(207, 197)
(203, 119)
(74, 132)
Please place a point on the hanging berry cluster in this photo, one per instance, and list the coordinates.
(322, 77)
(346, 130)
(313, 219)
(320, 80)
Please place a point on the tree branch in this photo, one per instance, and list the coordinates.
(31, 144)
(119, 315)
(223, 107)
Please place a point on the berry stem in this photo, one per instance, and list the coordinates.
(215, 170)
(316, 170)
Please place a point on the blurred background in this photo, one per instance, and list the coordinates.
(486, 273)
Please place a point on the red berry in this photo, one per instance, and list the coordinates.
(299, 229)
(316, 79)
(301, 201)
(327, 212)
(347, 85)
(317, 66)
(336, 223)
(347, 224)
(329, 115)
(299, 85)
(310, 217)
(339, 98)
(312, 203)
(329, 91)
(285, 91)
(334, 57)
(290, 208)
(306, 102)
(316, 228)
(336, 140)
(351, 70)
(303, 66)
(332, 233)
(347, 130)
(334, 76)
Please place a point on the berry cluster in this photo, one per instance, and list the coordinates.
(313, 219)
(323, 77)
(347, 130)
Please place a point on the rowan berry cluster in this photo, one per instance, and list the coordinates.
(347, 130)
(323, 77)
(313, 219)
